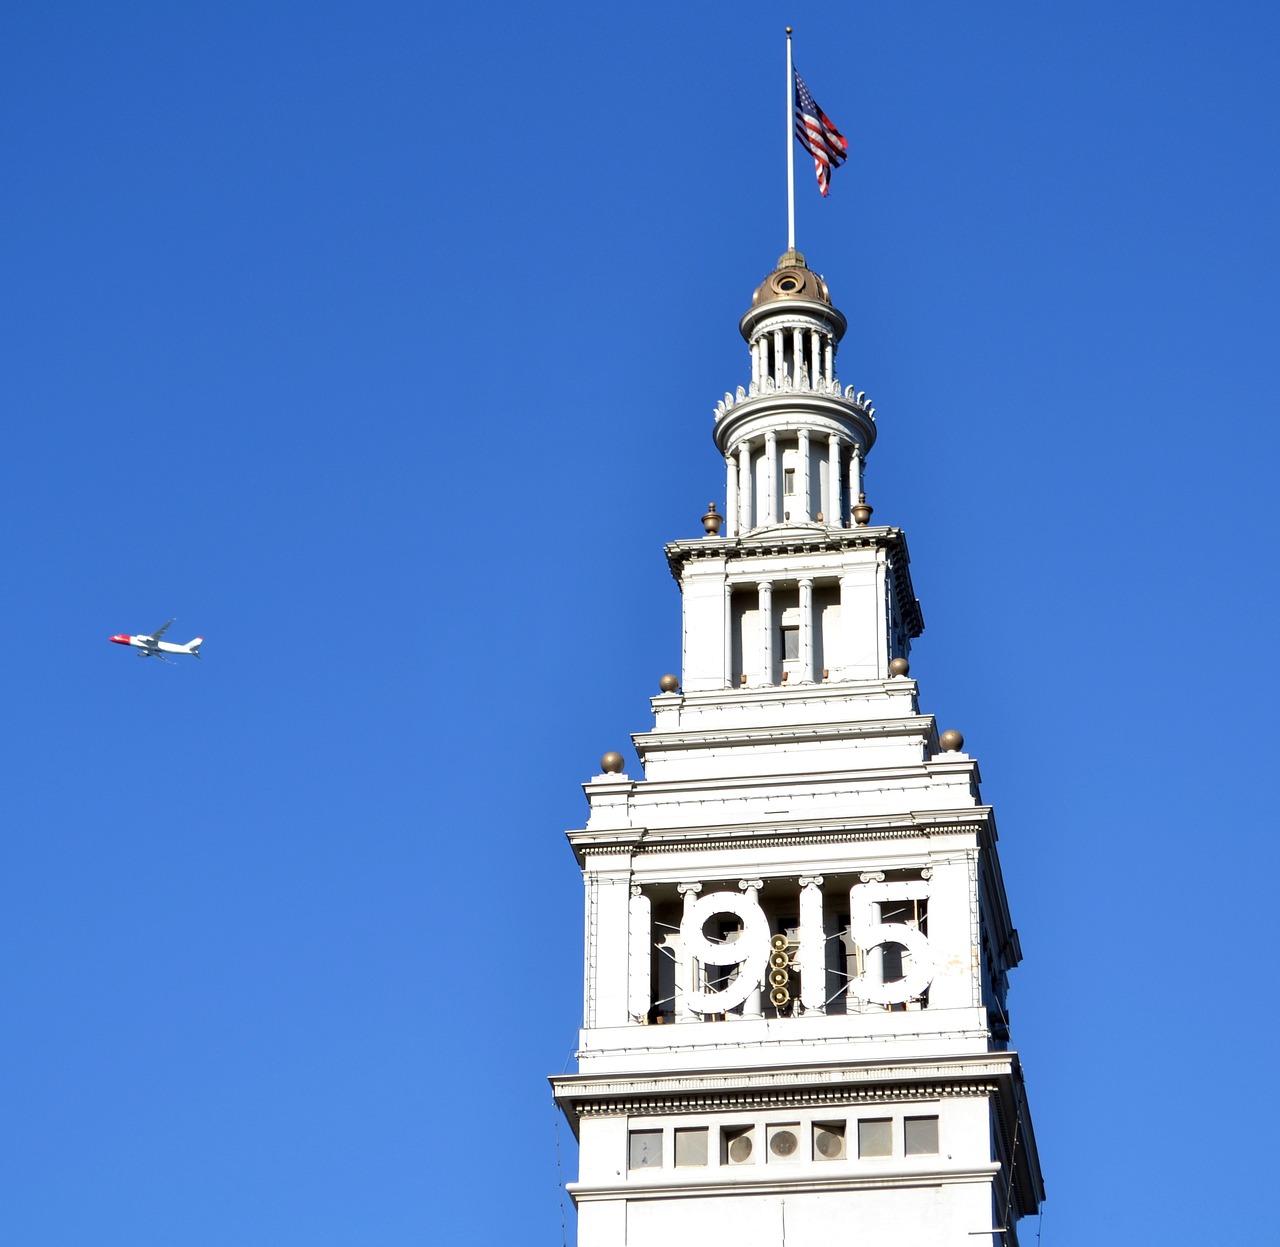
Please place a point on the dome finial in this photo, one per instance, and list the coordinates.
(792, 279)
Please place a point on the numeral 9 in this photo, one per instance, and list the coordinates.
(749, 952)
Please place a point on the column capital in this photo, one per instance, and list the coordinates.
(688, 889)
(750, 885)
(811, 881)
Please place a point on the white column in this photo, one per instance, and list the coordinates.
(829, 363)
(806, 631)
(806, 503)
(770, 478)
(766, 631)
(731, 521)
(779, 364)
(855, 473)
(812, 956)
(684, 963)
(760, 361)
(752, 1006)
(728, 635)
(833, 481)
(815, 357)
(882, 615)
(639, 957)
(797, 356)
(744, 488)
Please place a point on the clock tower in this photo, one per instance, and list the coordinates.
(797, 938)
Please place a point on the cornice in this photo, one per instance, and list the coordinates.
(739, 737)
(684, 1091)
(788, 311)
(774, 1098)
(825, 408)
(860, 779)
(783, 833)
(787, 539)
(842, 692)
(784, 839)
(765, 1183)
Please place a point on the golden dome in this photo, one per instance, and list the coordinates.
(792, 279)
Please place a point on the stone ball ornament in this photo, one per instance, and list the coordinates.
(951, 741)
(899, 666)
(611, 763)
(669, 683)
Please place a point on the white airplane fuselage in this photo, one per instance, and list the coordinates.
(151, 646)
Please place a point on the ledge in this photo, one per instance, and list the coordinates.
(975, 821)
(804, 1183)
(579, 1093)
(745, 737)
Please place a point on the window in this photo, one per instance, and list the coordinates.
(920, 1135)
(784, 1143)
(691, 1148)
(790, 644)
(737, 1143)
(644, 1149)
(875, 1137)
(789, 481)
(828, 1140)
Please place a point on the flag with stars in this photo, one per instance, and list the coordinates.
(818, 136)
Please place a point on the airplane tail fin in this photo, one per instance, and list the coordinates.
(193, 647)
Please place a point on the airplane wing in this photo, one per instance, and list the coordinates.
(159, 632)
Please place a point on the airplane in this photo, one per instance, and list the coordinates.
(153, 647)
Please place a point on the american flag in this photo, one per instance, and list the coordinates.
(818, 136)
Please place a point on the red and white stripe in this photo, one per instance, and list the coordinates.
(818, 136)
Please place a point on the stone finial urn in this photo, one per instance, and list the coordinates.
(712, 520)
(862, 511)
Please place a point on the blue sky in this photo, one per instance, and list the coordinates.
(379, 345)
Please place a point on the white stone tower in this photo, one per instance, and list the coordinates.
(797, 938)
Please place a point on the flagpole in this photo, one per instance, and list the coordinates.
(791, 151)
